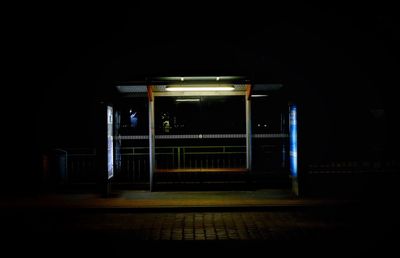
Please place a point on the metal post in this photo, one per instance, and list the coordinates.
(152, 150)
(179, 157)
(184, 157)
(283, 141)
(248, 133)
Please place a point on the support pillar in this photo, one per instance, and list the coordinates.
(152, 149)
(248, 128)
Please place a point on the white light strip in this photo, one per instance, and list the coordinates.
(187, 100)
(202, 136)
(223, 88)
(258, 96)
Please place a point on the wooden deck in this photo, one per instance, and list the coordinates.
(201, 170)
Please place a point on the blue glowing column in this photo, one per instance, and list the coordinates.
(293, 146)
(110, 143)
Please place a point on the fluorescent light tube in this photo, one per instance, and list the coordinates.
(222, 88)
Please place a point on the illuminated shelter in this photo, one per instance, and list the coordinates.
(180, 128)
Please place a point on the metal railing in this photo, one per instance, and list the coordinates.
(75, 165)
(135, 159)
(80, 164)
(354, 167)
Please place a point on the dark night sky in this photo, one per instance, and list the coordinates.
(342, 58)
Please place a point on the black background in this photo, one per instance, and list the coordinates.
(59, 58)
(342, 60)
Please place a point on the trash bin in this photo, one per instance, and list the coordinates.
(61, 165)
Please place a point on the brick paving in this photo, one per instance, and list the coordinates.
(259, 225)
(90, 226)
(97, 233)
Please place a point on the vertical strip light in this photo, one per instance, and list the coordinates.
(293, 139)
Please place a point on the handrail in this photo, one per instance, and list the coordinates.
(58, 149)
(187, 150)
(202, 146)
